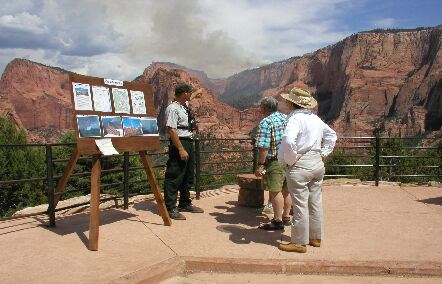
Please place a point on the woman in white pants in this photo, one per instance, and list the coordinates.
(306, 141)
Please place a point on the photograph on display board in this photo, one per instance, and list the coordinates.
(111, 126)
(149, 126)
(132, 126)
(88, 126)
(82, 96)
(121, 100)
(138, 102)
(102, 101)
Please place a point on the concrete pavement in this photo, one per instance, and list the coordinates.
(379, 231)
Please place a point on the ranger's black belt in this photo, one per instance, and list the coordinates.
(182, 138)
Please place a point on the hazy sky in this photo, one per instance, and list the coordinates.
(117, 39)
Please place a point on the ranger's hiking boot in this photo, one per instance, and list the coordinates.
(191, 208)
(315, 242)
(174, 214)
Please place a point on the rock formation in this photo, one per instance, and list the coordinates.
(215, 119)
(391, 80)
(37, 98)
(386, 79)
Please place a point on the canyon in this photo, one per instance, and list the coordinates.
(389, 80)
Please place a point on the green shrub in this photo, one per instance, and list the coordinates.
(22, 162)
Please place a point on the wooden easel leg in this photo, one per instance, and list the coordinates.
(66, 174)
(94, 215)
(155, 188)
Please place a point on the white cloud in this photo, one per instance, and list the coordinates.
(23, 22)
(17, 6)
(272, 30)
(384, 23)
(39, 55)
(118, 39)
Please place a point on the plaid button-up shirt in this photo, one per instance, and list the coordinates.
(270, 131)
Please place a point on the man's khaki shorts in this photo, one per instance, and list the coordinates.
(274, 178)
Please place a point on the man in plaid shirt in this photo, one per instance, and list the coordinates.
(268, 139)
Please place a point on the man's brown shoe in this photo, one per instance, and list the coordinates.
(315, 242)
(293, 248)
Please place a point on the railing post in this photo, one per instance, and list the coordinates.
(126, 180)
(50, 185)
(255, 155)
(377, 157)
(197, 167)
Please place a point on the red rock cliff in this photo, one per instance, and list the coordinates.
(215, 119)
(36, 96)
(38, 99)
(390, 80)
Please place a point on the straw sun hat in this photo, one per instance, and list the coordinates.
(300, 97)
(196, 93)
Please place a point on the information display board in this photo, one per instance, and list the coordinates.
(119, 111)
(111, 117)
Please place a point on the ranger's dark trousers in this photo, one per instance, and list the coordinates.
(179, 176)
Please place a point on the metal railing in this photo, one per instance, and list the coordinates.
(218, 161)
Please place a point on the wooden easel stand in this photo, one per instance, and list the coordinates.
(94, 215)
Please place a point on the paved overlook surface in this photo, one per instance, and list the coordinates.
(380, 232)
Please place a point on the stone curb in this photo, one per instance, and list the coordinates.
(234, 265)
(154, 273)
(177, 266)
(198, 264)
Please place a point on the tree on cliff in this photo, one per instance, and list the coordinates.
(19, 162)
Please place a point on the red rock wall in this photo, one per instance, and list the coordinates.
(388, 80)
(36, 96)
(365, 81)
(215, 119)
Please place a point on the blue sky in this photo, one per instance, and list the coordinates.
(393, 14)
(118, 39)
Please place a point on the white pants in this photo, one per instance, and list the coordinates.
(304, 182)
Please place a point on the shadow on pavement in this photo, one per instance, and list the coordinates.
(79, 223)
(235, 216)
(434, 200)
(147, 205)
(16, 225)
(150, 206)
(241, 235)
